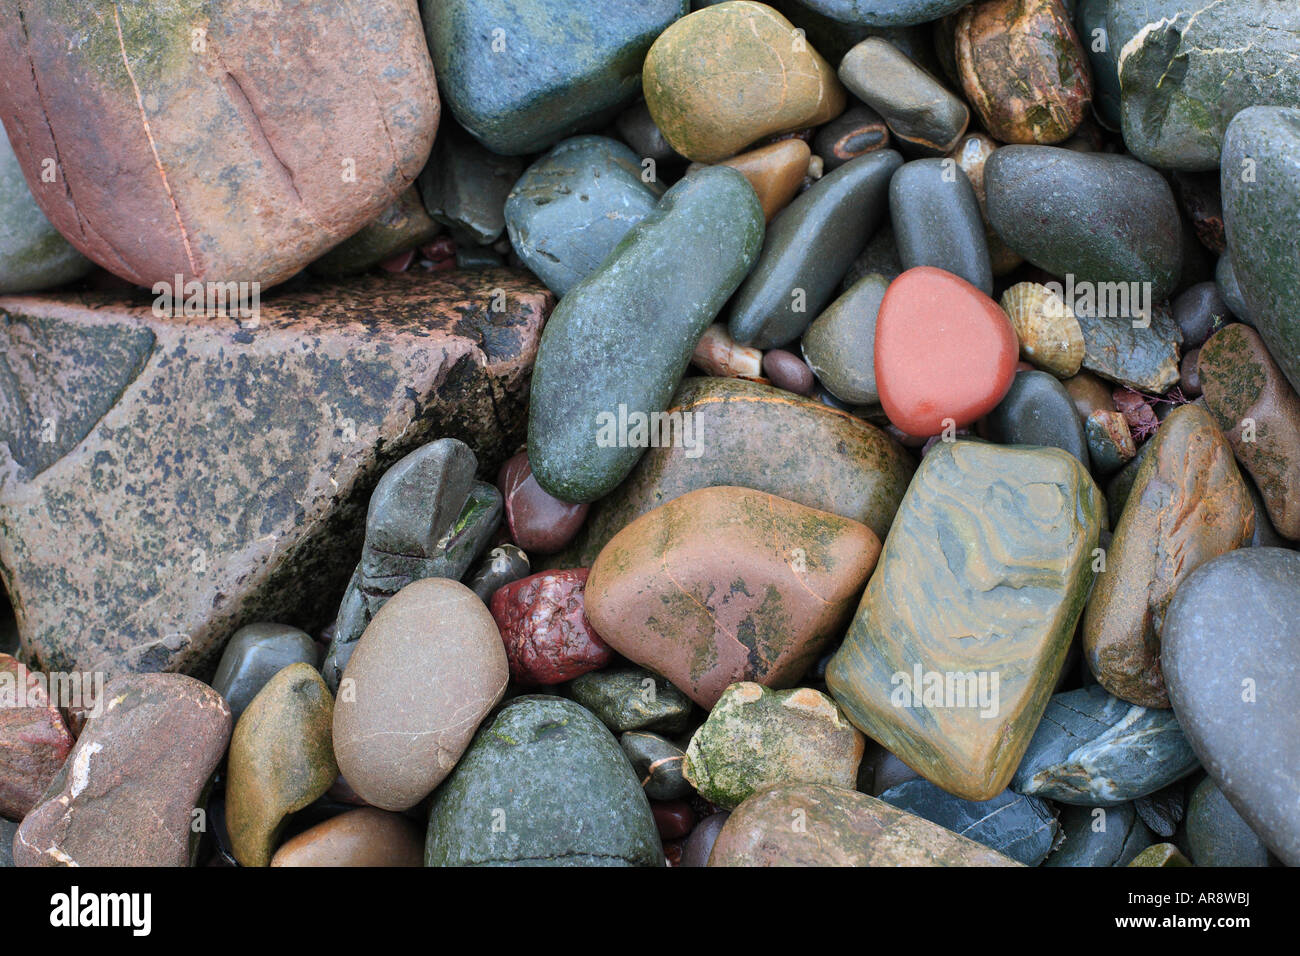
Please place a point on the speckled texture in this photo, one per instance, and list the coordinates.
(632, 698)
(840, 344)
(1023, 828)
(218, 475)
(217, 164)
(545, 784)
(986, 570)
(817, 825)
(1094, 750)
(33, 255)
(1143, 358)
(1232, 659)
(127, 794)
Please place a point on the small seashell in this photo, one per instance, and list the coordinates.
(1049, 333)
(717, 354)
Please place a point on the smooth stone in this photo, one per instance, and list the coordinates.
(621, 339)
(698, 846)
(1099, 217)
(547, 636)
(1022, 828)
(945, 353)
(1259, 413)
(464, 186)
(269, 441)
(1037, 410)
(520, 77)
(919, 111)
(627, 698)
(1110, 443)
(428, 518)
(539, 522)
(220, 164)
(1089, 18)
(970, 154)
(255, 654)
(840, 828)
(855, 132)
(568, 211)
(1231, 653)
(987, 568)
(674, 819)
(1098, 836)
(1187, 68)
(9, 829)
(361, 837)
(281, 760)
(638, 129)
(658, 763)
(1090, 394)
(756, 738)
(716, 353)
(403, 226)
(840, 344)
(727, 75)
(663, 594)
(1188, 504)
(788, 371)
(503, 564)
(1260, 212)
(884, 13)
(937, 222)
(1200, 312)
(544, 784)
(1023, 69)
(1225, 280)
(144, 764)
(776, 172)
(1142, 357)
(807, 250)
(426, 671)
(1216, 834)
(1094, 750)
(880, 256)
(881, 770)
(33, 254)
(34, 738)
(1189, 376)
(1161, 854)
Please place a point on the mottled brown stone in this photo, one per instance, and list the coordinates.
(206, 154)
(818, 825)
(1188, 504)
(34, 740)
(214, 475)
(363, 837)
(128, 792)
(728, 584)
(775, 171)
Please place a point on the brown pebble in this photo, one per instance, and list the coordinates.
(788, 371)
(364, 837)
(1189, 375)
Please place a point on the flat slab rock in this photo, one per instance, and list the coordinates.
(214, 475)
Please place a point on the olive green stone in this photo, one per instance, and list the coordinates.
(403, 225)
(756, 737)
(281, 759)
(544, 784)
(658, 763)
(840, 344)
(33, 255)
(1161, 854)
(617, 345)
(631, 698)
(963, 629)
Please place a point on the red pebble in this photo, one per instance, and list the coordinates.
(540, 522)
(398, 263)
(674, 818)
(34, 740)
(543, 622)
(944, 350)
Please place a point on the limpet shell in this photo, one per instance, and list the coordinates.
(1049, 333)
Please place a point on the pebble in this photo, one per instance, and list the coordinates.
(970, 154)
(884, 13)
(1216, 834)
(776, 172)
(401, 227)
(756, 738)
(637, 128)
(674, 819)
(1142, 357)
(255, 654)
(627, 698)
(1188, 504)
(700, 843)
(144, 764)
(716, 353)
(1090, 394)
(1037, 410)
(881, 770)
(33, 254)
(1200, 312)
(281, 760)
(425, 673)
(726, 75)
(919, 678)
(1110, 443)
(856, 131)
(1161, 854)
(543, 784)
(807, 250)
(1231, 653)
(34, 738)
(788, 371)
(1094, 750)
(937, 222)
(1100, 836)
(840, 344)
(664, 595)
(547, 636)
(361, 837)
(919, 111)
(568, 211)
(945, 353)
(841, 828)
(464, 186)
(1163, 810)
(658, 764)
(504, 563)
(539, 522)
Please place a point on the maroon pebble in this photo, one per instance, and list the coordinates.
(543, 622)
(788, 371)
(673, 818)
(698, 846)
(539, 522)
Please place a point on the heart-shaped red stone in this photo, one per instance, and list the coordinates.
(944, 350)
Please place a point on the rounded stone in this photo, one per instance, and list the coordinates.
(632, 698)
(503, 564)
(1037, 410)
(361, 837)
(1200, 312)
(539, 522)
(776, 172)
(699, 844)
(543, 623)
(1023, 828)
(937, 222)
(840, 345)
(856, 131)
(33, 254)
(658, 763)
(1216, 833)
(255, 654)
(789, 372)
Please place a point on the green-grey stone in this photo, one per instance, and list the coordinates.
(1101, 217)
(619, 342)
(572, 206)
(544, 784)
(1161, 854)
(1143, 357)
(1216, 833)
(658, 764)
(1104, 452)
(1100, 836)
(840, 344)
(1037, 410)
(880, 256)
(8, 830)
(937, 222)
(1187, 67)
(403, 225)
(522, 76)
(885, 13)
(33, 255)
(1093, 749)
(1260, 213)
(255, 654)
(632, 698)
(464, 186)
(1226, 282)
(1089, 16)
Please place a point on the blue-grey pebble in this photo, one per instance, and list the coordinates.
(1100, 836)
(937, 221)
(256, 653)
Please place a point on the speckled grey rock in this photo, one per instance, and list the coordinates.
(937, 221)
(1216, 834)
(255, 654)
(1100, 836)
